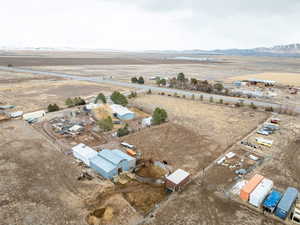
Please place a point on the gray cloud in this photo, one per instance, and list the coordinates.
(150, 24)
(219, 6)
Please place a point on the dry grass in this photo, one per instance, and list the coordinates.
(282, 78)
(221, 123)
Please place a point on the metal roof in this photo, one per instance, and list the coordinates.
(120, 110)
(288, 198)
(262, 81)
(123, 155)
(272, 199)
(102, 163)
(178, 176)
(84, 150)
(110, 156)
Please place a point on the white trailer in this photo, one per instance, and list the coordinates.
(260, 192)
(34, 115)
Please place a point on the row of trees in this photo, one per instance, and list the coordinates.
(70, 102)
(181, 82)
(139, 80)
(53, 108)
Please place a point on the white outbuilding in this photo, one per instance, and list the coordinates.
(122, 112)
(34, 115)
(147, 122)
(260, 192)
(84, 153)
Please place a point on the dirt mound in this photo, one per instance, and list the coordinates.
(100, 216)
(151, 171)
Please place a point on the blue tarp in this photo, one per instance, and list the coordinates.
(272, 200)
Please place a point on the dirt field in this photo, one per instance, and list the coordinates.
(222, 125)
(198, 204)
(40, 61)
(282, 78)
(29, 92)
(38, 184)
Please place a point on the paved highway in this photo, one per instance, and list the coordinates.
(146, 87)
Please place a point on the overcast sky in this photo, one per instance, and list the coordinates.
(149, 24)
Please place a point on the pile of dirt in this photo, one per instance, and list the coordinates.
(100, 216)
(151, 171)
(143, 197)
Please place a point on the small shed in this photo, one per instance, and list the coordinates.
(16, 114)
(250, 186)
(131, 161)
(122, 112)
(147, 122)
(84, 153)
(105, 168)
(286, 202)
(260, 192)
(115, 159)
(272, 201)
(34, 115)
(91, 106)
(177, 180)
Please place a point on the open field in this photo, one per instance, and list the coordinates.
(282, 78)
(222, 125)
(122, 65)
(207, 197)
(31, 92)
(38, 185)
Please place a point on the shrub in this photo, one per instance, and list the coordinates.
(123, 131)
(221, 101)
(201, 97)
(211, 99)
(237, 104)
(119, 98)
(252, 106)
(159, 116)
(183, 96)
(269, 109)
(106, 124)
(78, 101)
(53, 108)
(101, 97)
(219, 87)
(69, 102)
(163, 93)
(133, 94)
(141, 80)
(149, 92)
(134, 80)
(175, 94)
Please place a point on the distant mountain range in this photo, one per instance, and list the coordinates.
(291, 50)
